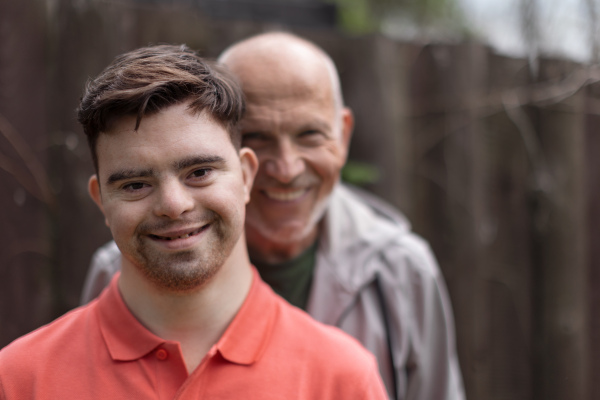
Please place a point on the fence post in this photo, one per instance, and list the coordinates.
(561, 325)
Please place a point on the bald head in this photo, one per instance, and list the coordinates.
(289, 61)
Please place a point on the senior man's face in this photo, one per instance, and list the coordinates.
(301, 140)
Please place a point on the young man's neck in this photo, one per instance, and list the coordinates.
(196, 319)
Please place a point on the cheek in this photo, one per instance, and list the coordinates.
(122, 218)
(229, 201)
(327, 165)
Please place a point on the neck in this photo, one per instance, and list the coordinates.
(196, 319)
(265, 251)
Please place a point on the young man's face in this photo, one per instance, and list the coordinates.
(173, 194)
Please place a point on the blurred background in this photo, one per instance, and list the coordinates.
(477, 118)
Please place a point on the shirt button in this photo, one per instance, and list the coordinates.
(161, 354)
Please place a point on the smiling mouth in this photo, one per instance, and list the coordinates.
(288, 195)
(184, 236)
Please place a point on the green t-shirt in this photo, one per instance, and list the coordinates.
(291, 279)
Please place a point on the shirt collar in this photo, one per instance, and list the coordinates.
(126, 338)
(243, 342)
(248, 335)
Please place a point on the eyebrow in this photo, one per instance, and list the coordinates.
(318, 123)
(197, 160)
(177, 165)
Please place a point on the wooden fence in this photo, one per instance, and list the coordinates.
(493, 161)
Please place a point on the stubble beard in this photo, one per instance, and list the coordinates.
(280, 231)
(185, 270)
(283, 233)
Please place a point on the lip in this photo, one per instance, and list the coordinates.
(179, 239)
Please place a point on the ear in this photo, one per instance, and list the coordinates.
(347, 128)
(249, 163)
(94, 191)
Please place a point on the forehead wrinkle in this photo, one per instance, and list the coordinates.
(318, 123)
(264, 118)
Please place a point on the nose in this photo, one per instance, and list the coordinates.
(173, 200)
(285, 164)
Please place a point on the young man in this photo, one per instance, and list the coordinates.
(347, 258)
(187, 317)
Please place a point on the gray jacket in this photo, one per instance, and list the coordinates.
(378, 282)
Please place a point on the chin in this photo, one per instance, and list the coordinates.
(288, 234)
(181, 275)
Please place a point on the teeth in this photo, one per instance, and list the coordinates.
(187, 235)
(285, 196)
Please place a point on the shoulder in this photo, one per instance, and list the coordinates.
(383, 234)
(33, 352)
(45, 336)
(356, 197)
(327, 360)
(328, 346)
(411, 252)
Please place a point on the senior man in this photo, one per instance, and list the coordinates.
(344, 256)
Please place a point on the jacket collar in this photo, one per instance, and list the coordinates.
(356, 227)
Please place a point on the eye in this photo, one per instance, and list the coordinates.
(311, 137)
(310, 132)
(134, 186)
(200, 173)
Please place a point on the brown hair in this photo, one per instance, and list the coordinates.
(149, 79)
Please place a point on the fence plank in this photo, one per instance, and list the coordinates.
(560, 248)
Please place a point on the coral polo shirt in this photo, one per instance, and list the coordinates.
(270, 350)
